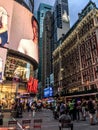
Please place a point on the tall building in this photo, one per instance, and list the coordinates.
(61, 20)
(47, 53)
(43, 8)
(76, 59)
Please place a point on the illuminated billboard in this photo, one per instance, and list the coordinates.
(3, 53)
(18, 29)
(48, 92)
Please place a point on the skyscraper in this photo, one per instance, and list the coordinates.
(47, 47)
(61, 20)
(43, 8)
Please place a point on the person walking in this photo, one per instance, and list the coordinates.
(91, 109)
(33, 109)
(96, 114)
(65, 118)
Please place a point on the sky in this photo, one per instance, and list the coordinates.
(75, 7)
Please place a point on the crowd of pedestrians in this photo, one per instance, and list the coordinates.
(20, 106)
(78, 110)
(73, 109)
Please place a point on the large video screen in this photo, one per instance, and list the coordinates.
(48, 92)
(18, 29)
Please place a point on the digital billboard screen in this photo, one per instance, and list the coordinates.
(18, 29)
(48, 92)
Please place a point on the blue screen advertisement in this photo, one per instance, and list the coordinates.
(48, 92)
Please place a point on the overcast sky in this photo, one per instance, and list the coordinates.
(75, 7)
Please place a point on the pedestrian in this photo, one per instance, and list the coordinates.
(33, 108)
(91, 109)
(96, 114)
(84, 108)
(28, 106)
(62, 108)
(65, 118)
(72, 109)
(78, 109)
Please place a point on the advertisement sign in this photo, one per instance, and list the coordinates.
(48, 92)
(18, 29)
(3, 53)
(32, 85)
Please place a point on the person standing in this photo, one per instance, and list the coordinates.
(91, 109)
(65, 117)
(33, 108)
(96, 114)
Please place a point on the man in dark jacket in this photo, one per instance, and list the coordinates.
(65, 121)
(91, 109)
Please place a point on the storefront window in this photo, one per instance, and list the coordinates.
(16, 68)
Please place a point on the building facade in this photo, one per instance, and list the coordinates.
(47, 49)
(43, 8)
(17, 64)
(76, 59)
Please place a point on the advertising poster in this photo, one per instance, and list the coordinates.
(48, 92)
(3, 53)
(18, 29)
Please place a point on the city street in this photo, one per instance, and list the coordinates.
(49, 123)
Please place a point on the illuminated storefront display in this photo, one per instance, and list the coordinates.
(48, 92)
(18, 48)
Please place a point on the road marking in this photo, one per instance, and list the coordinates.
(20, 126)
